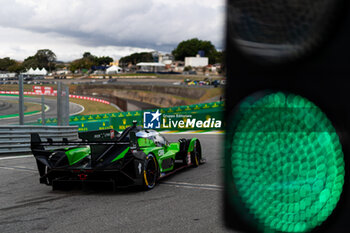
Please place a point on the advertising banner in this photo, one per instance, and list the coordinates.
(92, 125)
(43, 90)
(204, 116)
(193, 117)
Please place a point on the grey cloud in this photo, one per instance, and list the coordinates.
(134, 23)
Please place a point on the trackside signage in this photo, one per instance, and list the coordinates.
(193, 117)
(152, 120)
(181, 121)
(205, 116)
(199, 119)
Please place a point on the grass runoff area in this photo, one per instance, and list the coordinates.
(93, 107)
(89, 106)
(100, 108)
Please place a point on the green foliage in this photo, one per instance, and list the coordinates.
(10, 65)
(88, 60)
(187, 68)
(88, 55)
(30, 62)
(218, 57)
(5, 63)
(103, 60)
(16, 68)
(44, 58)
(136, 58)
(190, 48)
(82, 63)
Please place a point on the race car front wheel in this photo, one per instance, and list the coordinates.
(150, 172)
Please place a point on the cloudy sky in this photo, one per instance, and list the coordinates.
(105, 27)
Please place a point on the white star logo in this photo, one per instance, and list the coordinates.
(156, 115)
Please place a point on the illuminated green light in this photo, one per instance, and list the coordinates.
(287, 163)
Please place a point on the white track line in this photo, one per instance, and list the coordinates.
(47, 108)
(77, 113)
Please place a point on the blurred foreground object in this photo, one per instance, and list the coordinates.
(287, 142)
(279, 31)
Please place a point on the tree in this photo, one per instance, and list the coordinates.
(30, 62)
(16, 68)
(188, 68)
(88, 55)
(88, 60)
(190, 48)
(82, 63)
(5, 63)
(44, 58)
(136, 58)
(103, 61)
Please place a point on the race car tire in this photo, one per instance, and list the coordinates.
(150, 172)
(196, 154)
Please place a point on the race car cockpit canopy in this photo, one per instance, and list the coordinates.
(146, 133)
(153, 135)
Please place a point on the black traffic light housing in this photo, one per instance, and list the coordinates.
(321, 75)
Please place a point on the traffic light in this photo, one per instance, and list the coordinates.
(287, 143)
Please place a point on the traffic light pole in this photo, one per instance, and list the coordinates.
(21, 101)
(66, 115)
(59, 103)
(43, 109)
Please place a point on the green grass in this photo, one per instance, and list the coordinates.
(93, 107)
(90, 106)
(16, 115)
(100, 108)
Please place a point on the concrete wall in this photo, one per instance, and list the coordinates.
(155, 95)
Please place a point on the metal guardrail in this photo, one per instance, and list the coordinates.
(16, 138)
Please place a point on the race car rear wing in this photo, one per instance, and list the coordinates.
(99, 149)
(101, 142)
(36, 142)
(97, 146)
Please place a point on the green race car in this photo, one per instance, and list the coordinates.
(135, 157)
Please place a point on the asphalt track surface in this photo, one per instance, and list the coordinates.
(50, 113)
(8, 108)
(188, 201)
